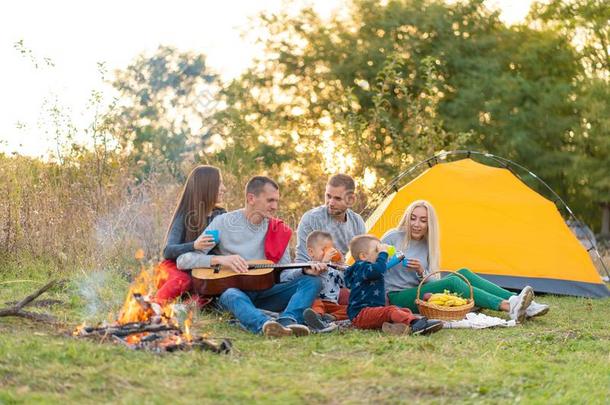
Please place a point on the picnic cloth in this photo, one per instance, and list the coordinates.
(476, 320)
(473, 320)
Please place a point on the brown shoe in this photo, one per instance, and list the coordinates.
(395, 328)
(298, 329)
(275, 329)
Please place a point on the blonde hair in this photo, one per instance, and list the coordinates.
(361, 244)
(316, 236)
(432, 237)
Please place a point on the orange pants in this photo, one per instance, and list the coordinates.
(374, 317)
(328, 307)
(344, 296)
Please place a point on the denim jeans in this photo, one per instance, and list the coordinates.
(290, 299)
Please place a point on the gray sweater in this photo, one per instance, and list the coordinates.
(399, 277)
(237, 236)
(318, 219)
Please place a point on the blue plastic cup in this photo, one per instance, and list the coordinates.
(393, 261)
(214, 233)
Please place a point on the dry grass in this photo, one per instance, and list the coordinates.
(73, 217)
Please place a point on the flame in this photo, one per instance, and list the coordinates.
(161, 274)
(139, 254)
(133, 310)
(140, 307)
(187, 327)
(168, 312)
(79, 329)
(134, 338)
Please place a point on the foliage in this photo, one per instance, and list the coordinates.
(309, 103)
(591, 143)
(164, 102)
(585, 24)
(373, 91)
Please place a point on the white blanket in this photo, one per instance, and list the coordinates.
(475, 320)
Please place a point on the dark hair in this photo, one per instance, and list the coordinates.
(197, 200)
(342, 180)
(361, 244)
(257, 183)
(315, 236)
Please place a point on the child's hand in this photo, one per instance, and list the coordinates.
(316, 269)
(329, 253)
(382, 248)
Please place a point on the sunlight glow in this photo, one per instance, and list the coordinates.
(369, 179)
(66, 44)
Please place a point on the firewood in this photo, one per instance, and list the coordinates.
(40, 303)
(225, 346)
(16, 310)
(124, 330)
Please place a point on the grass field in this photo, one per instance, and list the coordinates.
(563, 357)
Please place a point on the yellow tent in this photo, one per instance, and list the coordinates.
(495, 225)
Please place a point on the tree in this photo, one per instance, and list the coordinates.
(164, 105)
(387, 85)
(591, 160)
(585, 24)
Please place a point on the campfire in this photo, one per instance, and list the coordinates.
(143, 324)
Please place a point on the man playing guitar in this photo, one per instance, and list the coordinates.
(242, 235)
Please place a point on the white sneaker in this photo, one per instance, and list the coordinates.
(519, 303)
(536, 309)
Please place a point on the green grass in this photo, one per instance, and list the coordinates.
(563, 357)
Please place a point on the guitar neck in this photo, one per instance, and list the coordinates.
(289, 266)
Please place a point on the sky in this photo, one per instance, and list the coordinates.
(77, 35)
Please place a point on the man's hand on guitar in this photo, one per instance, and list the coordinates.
(235, 263)
(316, 269)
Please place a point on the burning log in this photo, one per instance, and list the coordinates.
(17, 310)
(143, 324)
(157, 343)
(123, 330)
(158, 338)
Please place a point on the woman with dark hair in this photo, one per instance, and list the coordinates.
(197, 205)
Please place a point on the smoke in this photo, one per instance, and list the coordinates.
(102, 292)
(138, 221)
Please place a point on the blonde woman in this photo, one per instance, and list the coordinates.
(417, 235)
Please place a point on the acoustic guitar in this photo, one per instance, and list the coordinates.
(261, 275)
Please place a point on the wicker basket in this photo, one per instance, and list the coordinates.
(433, 311)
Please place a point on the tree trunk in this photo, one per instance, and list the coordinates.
(605, 232)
